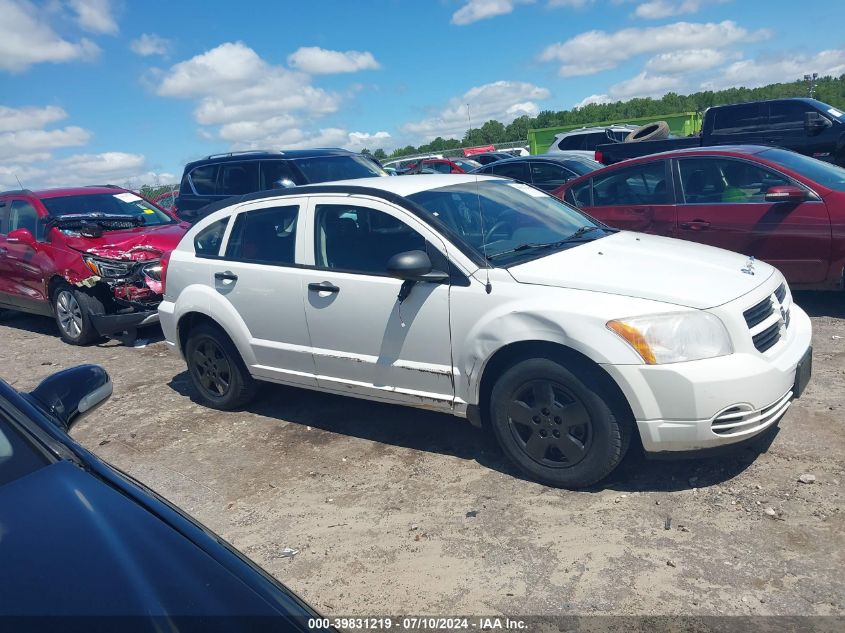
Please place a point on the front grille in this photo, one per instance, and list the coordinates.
(768, 337)
(743, 419)
(759, 313)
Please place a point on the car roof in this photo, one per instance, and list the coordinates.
(228, 157)
(598, 128)
(62, 192)
(404, 185)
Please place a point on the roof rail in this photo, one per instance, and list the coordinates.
(16, 191)
(107, 186)
(246, 151)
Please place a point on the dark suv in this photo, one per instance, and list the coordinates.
(220, 176)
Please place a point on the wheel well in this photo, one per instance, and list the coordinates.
(509, 355)
(188, 322)
(54, 282)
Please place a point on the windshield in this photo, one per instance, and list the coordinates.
(826, 174)
(327, 168)
(467, 165)
(516, 218)
(121, 203)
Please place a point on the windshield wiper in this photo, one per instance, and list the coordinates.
(569, 238)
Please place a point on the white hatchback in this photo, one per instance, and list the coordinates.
(490, 300)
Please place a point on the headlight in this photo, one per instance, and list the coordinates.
(153, 271)
(109, 268)
(674, 337)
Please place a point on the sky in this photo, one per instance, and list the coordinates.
(128, 91)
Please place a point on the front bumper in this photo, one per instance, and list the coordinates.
(108, 324)
(714, 402)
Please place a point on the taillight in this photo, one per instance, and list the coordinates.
(165, 260)
(599, 157)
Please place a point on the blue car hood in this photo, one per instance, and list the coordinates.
(70, 544)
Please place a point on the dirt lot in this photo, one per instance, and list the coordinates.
(394, 510)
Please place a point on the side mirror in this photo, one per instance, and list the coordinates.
(414, 266)
(67, 394)
(814, 122)
(785, 193)
(21, 236)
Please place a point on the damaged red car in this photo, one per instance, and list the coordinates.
(90, 257)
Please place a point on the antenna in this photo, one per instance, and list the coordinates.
(487, 286)
(19, 181)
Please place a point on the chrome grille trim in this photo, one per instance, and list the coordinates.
(741, 419)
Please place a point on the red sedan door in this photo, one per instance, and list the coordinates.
(724, 205)
(637, 198)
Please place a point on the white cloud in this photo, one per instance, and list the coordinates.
(592, 99)
(500, 100)
(645, 85)
(759, 72)
(27, 39)
(595, 51)
(253, 103)
(23, 138)
(656, 9)
(678, 62)
(319, 61)
(150, 44)
(94, 16)
(475, 10)
(573, 4)
(29, 117)
(298, 138)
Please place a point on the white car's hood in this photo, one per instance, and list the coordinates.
(648, 267)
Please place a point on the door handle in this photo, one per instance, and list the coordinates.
(226, 276)
(695, 225)
(324, 286)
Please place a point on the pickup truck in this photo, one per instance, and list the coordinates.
(805, 126)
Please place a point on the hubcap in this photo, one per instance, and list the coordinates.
(70, 314)
(212, 367)
(550, 424)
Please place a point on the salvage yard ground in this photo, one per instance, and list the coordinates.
(393, 510)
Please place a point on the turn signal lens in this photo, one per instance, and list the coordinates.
(635, 339)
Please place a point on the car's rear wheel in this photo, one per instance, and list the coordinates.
(72, 309)
(218, 373)
(558, 427)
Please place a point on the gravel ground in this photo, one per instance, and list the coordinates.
(394, 510)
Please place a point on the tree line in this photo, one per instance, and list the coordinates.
(828, 89)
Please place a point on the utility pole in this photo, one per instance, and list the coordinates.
(811, 84)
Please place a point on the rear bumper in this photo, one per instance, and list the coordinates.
(108, 324)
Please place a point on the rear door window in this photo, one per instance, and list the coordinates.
(264, 236)
(276, 174)
(640, 184)
(738, 118)
(204, 179)
(517, 170)
(238, 178)
(580, 195)
(549, 176)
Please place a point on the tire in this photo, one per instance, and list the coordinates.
(220, 377)
(72, 310)
(656, 131)
(575, 449)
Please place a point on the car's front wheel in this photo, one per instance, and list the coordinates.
(557, 426)
(218, 373)
(72, 309)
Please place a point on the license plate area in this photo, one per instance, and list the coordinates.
(802, 373)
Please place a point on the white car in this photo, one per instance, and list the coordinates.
(490, 300)
(583, 141)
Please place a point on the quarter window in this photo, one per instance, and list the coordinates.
(207, 242)
(714, 181)
(362, 240)
(517, 170)
(264, 236)
(579, 195)
(576, 141)
(642, 184)
(4, 217)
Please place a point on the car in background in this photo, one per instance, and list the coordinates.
(132, 553)
(546, 172)
(488, 299)
(220, 176)
(401, 164)
(586, 139)
(806, 126)
(167, 200)
(485, 158)
(444, 166)
(90, 257)
(768, 203)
